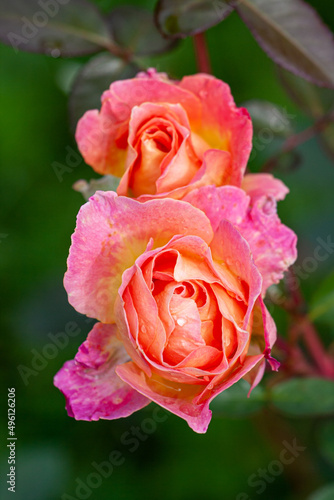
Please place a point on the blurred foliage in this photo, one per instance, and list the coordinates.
(37, 219)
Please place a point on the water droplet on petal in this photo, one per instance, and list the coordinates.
(143, 329)
(227, 342)
(116, 400)
(181, 321)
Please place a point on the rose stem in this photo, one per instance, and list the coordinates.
(294, 362)
(310, 335)
(304, 326)
(202, 54)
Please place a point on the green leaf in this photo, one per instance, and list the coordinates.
(325, 440)
(105, 183)
(325, 493)
(233, 402)
(64, 28)
(178, 19)
(94, 78)
(304, 397)
(267, 116)
(322, 302)
(293, 35)
(314, 101)
(134, 29)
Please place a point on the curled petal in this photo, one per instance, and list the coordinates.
(232, 251)
(90, 384)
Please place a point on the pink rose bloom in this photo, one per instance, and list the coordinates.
(179, 305)
(165, 138)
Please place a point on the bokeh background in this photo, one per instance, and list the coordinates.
(55, 452)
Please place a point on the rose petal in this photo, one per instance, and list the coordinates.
(216, 170)
(127, 325)
(232, 251)
(101, 139)
(136, 91)
(257, 185)
(224, 126)
(222, 382)
(90, 384)
(175, 397)
(186, 335)
(226, 202)
(151, 337)
(254, 376)
(111, 233)
(163, 294)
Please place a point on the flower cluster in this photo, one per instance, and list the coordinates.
(175, 265)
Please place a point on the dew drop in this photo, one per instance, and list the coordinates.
(181, 321)
(227, 342)
(117, 400)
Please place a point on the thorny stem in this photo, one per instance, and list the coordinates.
(202, 54)
(296, 140)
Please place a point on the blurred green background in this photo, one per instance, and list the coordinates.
(38, 218)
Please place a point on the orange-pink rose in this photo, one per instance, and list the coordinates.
(180, 310)
(165, 137)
